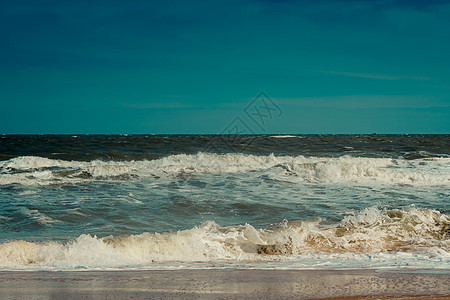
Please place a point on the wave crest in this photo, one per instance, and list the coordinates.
(31, 170)
(372, 230)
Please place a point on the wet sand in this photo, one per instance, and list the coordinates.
(224, 284)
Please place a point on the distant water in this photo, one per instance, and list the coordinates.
(211, 201)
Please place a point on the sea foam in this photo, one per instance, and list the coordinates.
(30, 170)
(372, 231)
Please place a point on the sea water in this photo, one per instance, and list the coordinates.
(191, 201)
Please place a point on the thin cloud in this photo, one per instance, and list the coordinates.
(367, 102)
(376, 76)
(156, 105)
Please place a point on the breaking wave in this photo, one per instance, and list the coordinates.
(32, 170)
(374, 231)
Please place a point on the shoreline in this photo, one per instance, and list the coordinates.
(224, 284)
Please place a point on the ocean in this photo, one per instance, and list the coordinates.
(161, 202)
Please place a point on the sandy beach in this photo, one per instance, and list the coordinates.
(224, 284)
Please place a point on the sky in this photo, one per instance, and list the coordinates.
(203, 67)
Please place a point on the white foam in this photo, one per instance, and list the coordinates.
(285, 136)
(32, 170)
(373, 232)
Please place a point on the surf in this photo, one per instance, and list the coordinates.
(372, 231)
(31, 170)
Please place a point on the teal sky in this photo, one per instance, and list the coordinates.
(193, 66)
